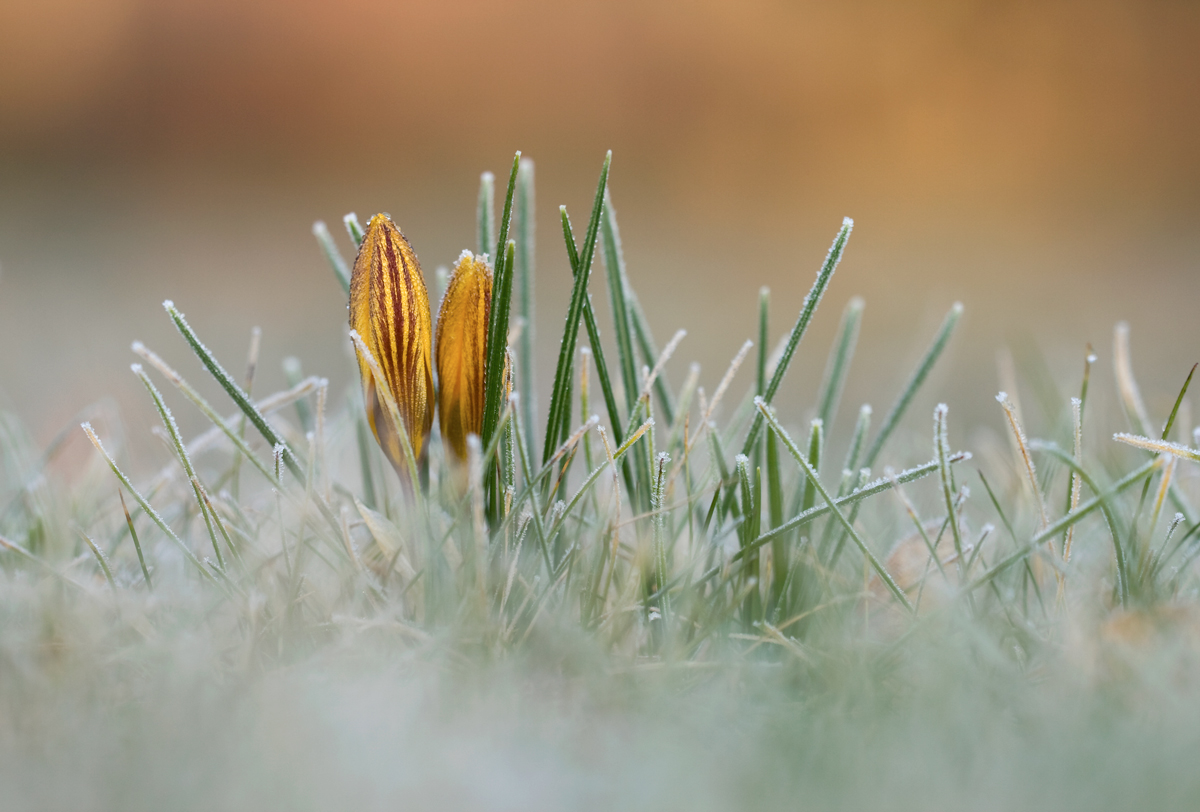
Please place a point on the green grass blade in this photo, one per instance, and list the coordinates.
(141, 500)
(914, 383)
(1062, 524)
(858, 494)
(589, 318)
(592, 477)
(649, 350)
(618, 298)
(207, 410)
(764, 306)
(816, 439)
(661, 564)
(100, 559)
(340, 268)
(559, 398)
(530, 493)
(485, 213)
(884, 576)
(526, 255)
(234, 391)
(362, 436)
(806, 313)
(941, 448)
(779, 551)
(137, 544)
(1123, 569)
(859, 440)
(751, 493)
(1175, 409)
(497, 330)
(1088, 360)
(354, 229)
(168, 420)
(606, 388)
(838, 365)
(1029, 576)
(629, 320)
(774, 480)
(501, 300)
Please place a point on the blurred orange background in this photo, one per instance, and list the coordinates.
(1038, 160)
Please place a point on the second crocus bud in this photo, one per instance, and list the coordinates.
(461, 351)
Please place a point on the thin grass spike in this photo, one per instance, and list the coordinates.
(880, 570)
(923, 368)
(824, 275)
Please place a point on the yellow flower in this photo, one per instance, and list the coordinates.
(389, 308)
(462, 351)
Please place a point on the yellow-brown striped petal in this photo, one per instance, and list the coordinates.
(461, 351)
(389, 308)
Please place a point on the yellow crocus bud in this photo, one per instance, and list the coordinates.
(389, 309)
(461, 351)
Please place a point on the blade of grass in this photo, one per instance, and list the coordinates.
(235, 471)
(1158, 446)
(751, 493)
(628, 319)
(354, 229)
(150, 511)
(498, 316)
(589, 318)
(857, 495)
(137, 544)
(219, 424)
(566, 353)
(592, 477)
(13, 547)
(1131, 395)
(649, 350)
(1076, 481)
(1026, 459)
(661, 565)
(100, 559)
(769, 415)
(1062, 524)
(816, 439)
(485, 213)
(764, 307)
(340, 269)
(941, 447)
(168, 420)
(618, 297)
(1178, 401)
(779, 551)
(806, 313)
(526, 230)
(1077, 408)
(362, 436)
(1030, 577)
(233, 390)
(838, 365)
(914, 383)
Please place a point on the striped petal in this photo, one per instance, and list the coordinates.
(389, 308)
(461, 351)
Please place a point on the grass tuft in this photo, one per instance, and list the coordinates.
(661, 595)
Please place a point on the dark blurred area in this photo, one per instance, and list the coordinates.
(1037, 160)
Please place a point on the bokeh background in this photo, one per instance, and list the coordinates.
(1037, 160)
